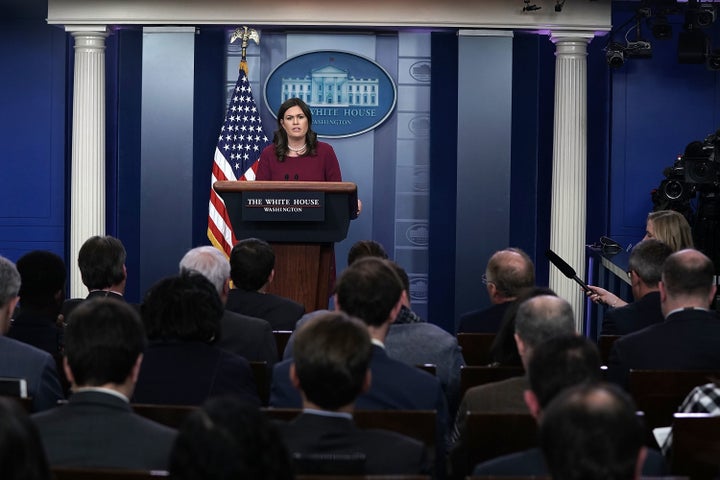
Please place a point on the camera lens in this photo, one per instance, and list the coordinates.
(673, 189)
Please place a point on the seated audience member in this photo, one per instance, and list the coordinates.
(508, 272)
(252, 268)
(371, 291)
(330, 369)
(592, 432)
(365, 248)
(688, 339)
(227, 439)
(246, 336)
(104, 341)
(671, 228)
(181, 366)
(644, 269)
(538, 319)
(555, 365)
(102, 268)
(416, 342)
(504, 351)
(18, 359)
(21, 452)
(42, 291)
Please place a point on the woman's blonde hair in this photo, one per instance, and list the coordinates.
(671, 228)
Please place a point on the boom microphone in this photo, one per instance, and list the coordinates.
(566, 269)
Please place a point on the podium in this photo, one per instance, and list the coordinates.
(301, 221)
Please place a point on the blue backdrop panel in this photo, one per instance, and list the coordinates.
(32, 125)
(484, 153)
(167, 151)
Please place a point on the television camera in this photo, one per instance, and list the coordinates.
(692, 187)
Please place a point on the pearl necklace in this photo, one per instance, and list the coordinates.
(297, 150)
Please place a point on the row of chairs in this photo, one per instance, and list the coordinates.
(100, 474)
(97, 474)
(476, 347)
(696, 442)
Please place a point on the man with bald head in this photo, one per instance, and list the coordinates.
(508, 272)
(688, 339)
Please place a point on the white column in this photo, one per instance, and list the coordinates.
(568, 215)
(87, 202)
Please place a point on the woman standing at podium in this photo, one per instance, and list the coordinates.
(296, 154)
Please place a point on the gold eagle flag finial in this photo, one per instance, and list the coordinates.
(245, 34)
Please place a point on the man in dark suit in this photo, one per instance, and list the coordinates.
(41, 296)
(252, 268)
(508, 272)
(104, 341)
(18, 359)
(370, 290)
(102, 267)
(593, 432)
(688, 339)
(555, 365)
(330, 369)
(249, 337)
(644, 269)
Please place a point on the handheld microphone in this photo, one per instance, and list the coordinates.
(566, 269)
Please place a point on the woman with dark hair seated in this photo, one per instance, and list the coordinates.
(181, 366)
(22, 456)
(229, 439)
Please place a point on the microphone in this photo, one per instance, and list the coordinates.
(566, 269)
(287, 177)
(296, 176)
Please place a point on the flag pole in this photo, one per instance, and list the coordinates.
(239, 145)
(245, 34)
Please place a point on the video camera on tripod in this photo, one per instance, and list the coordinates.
(696, 174)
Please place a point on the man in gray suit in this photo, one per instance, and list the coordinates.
(20, 360)
(104, 341)
(250, 337)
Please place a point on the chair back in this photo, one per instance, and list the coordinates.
(696, 445)
(281, 340)
(363, 477)
(471, 376)
(490, 435)
(65, 473)
(262, 380)
(659, 393)
(329, 463)
(476, 347)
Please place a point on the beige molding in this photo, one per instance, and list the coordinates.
(586, 15)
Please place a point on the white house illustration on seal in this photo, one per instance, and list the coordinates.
(330, 85)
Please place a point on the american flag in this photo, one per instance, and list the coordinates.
(239, 145)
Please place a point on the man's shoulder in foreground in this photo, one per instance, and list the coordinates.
(98, 429)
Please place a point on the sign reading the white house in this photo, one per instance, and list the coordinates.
(347, 94)
(283, 206)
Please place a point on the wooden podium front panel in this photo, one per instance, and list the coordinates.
(302, 273)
